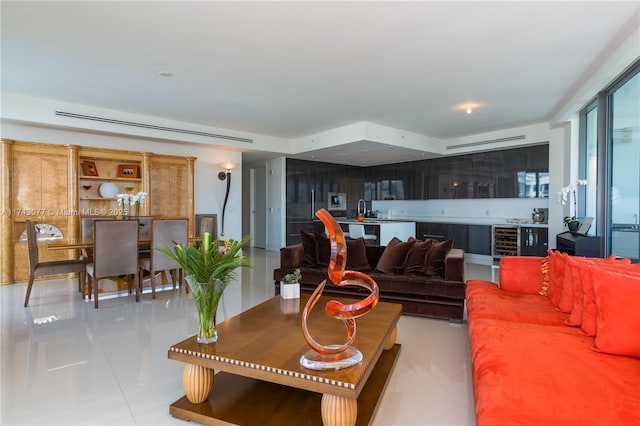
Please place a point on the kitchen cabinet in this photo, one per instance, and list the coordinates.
(444, 231)
(533, 241)
(479, 239)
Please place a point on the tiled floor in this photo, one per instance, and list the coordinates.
(65, 363)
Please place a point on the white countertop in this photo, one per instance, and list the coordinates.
(372, 221)
(459, 220)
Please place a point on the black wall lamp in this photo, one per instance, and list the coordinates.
(226, 175)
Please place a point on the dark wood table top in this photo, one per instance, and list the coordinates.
(266, 343)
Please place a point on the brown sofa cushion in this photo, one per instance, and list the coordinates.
(357, 254)
(414, 264)
(323, 249)
(394, 256)
(434, 265)
(309, 249)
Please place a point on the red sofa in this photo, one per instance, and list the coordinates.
(535, 361)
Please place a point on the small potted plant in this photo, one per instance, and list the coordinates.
(290, 285)
(572, 223)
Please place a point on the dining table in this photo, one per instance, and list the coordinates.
(80, 243)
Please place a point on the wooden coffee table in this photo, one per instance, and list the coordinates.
(261, 380)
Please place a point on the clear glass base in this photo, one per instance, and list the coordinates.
(316, 361)
(211, 339)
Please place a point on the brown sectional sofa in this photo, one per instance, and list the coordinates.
(430, 296)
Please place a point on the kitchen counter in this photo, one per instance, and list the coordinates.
(469, 221)
(385, 230)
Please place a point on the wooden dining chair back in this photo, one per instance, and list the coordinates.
(38, 269)
(115, 253)
(164, 233)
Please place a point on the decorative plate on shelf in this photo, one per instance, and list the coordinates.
(44, 231)
(108, 190)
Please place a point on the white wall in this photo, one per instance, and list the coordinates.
(209, 190)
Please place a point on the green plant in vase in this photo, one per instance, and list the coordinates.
(209, 269)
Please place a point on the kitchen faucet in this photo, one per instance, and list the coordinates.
(364, 207)
(635, 221)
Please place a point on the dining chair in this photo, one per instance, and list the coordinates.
(86, 232)
(145, 226)
(164, 233)
(207, 223)
(86, 224)
(115, 253)
(38, 269)
(357, 231)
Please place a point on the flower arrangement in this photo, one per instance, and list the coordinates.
(209, 267)
(563, 197)
(128, 201)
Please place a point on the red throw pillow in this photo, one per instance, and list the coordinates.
(435, 261)
(617, 298)
(555, 286)
(589, 315)
(357, 254)
(571, 274)
(393, 256)
(553, 272)
(415, 260)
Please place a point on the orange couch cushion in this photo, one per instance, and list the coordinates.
(486, 300)
(591, 266)
(617, 299)
(529, 374)
(521, 274)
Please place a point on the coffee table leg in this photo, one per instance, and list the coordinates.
(197, 382)
(338, 410)
(392, 339)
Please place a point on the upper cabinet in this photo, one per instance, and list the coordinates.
(509, 173)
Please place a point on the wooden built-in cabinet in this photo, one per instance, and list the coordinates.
(51, 184)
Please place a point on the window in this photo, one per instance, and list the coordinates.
(610, 159)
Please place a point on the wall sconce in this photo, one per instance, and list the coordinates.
(226, 175)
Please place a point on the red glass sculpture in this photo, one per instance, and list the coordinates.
(335, 357)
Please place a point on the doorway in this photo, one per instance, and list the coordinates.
(258, 206)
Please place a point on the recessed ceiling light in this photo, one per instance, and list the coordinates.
(165, 73)
(469, 111)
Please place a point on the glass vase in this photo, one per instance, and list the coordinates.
(207, 297)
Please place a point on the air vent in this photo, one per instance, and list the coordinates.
(151, 126)
(464, 145)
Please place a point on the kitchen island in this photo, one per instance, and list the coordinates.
(385, 230)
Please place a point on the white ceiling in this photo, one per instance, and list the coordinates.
(292, 69)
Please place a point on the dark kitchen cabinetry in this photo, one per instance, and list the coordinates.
(479, 239)
(444, 231)
(533, 241)
(493, 174)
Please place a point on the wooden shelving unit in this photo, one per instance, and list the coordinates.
(47, 183)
